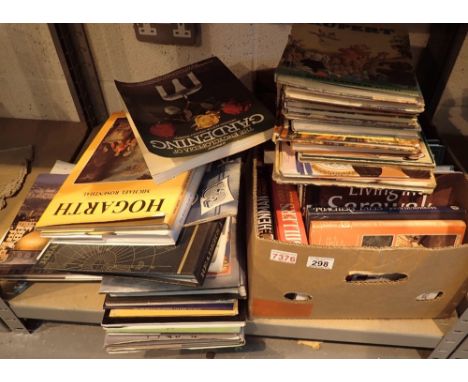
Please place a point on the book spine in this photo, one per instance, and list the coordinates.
(211, 240)
(289, 224)
(413, 213)
(264, 210)
(387, 233)
(362, 198)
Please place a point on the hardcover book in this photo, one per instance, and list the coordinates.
(360, 198)
(218, 193)
(354, 57)
(192, 116)
(188, 310)
(288, 218)
(186, 263)
(230, 280)
(21, 244)
(412, 213)
(387, 233)
(110, 195)
(264, 205)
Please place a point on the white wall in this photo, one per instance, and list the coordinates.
(32, 83)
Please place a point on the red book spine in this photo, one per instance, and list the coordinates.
(289, 224)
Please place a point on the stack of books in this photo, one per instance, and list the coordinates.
(349, 103)
(151, 208)
(335, 216)
(142, 314)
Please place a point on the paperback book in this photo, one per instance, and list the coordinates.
(218, 193)
(192, 116)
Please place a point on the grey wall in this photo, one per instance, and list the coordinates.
(33, 86)
(451, 116)
(243, 47)
(32, 83)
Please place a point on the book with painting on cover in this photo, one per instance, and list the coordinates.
(110, 196)
(22, 244)
(363, 61)
(387, 233)
(185, 263)
(192, 116)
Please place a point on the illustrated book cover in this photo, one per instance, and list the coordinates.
(218, 193)
(230, 280)
(186, 263)
(110, 191)
(387, 233)
(22, 243)
(192, 116)
(351, 55)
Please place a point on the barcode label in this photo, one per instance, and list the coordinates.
(283, 257)
(320, 262)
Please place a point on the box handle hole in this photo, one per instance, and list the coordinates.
(429, 296)
(298, 296)
(362, 277)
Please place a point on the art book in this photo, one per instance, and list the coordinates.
(364, 60)
(22, 243)
(192, 116)
(110, 196)
(218, 193)
(387, 233)
(185, 263)
(230, 280)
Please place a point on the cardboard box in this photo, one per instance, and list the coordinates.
(303, 281)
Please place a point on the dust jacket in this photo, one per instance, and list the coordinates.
(186, 263)
(111, 185)
(376, 57)
(22, 243)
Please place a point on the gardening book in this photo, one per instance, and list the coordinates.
(192, 116)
